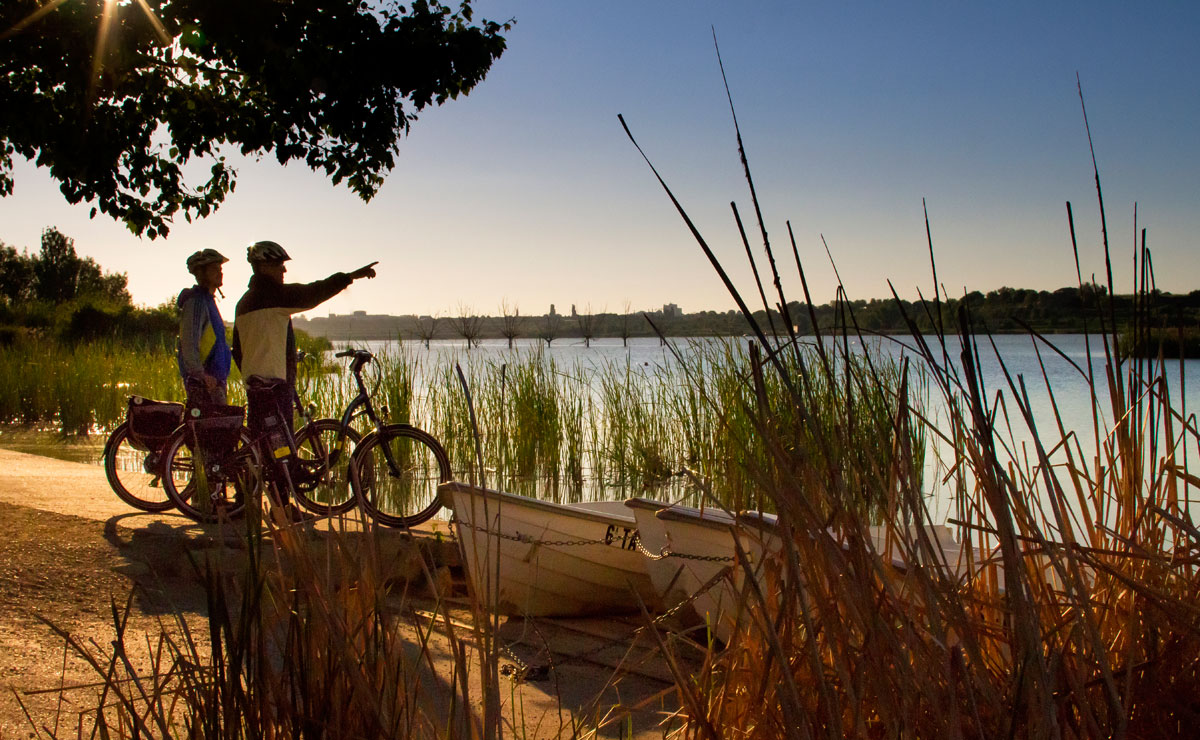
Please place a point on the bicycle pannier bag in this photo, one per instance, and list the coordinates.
(151, 422)
(216, 427)
(270, 403)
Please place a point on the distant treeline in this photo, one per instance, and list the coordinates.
(1007, 310)
(56, 292)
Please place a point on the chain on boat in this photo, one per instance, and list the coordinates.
(666, 552)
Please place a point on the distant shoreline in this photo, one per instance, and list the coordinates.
(1071, 310)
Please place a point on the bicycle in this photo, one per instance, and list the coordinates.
(134, 451)
(396, 468)
(215, 447)
(211, 466)
(327, 479)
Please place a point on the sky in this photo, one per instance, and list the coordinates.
(853, 114)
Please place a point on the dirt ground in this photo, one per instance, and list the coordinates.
(71, 573)
(74, 558)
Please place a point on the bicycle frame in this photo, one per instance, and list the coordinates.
(361, 405)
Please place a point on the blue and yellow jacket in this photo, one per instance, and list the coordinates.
(202, 346)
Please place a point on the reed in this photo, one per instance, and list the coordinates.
(81, 388)
(299, 640)
(1071, 611)
(577, 431)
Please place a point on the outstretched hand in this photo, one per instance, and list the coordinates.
(367, 271)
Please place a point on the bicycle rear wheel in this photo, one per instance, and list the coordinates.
(395, 473)
(134, 473)
(322, 478)
(220, 489)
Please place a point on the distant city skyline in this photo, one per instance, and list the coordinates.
(527, 191)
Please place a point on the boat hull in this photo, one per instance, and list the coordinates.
(701, 565)
(532, 558)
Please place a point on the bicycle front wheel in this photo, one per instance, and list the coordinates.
(395, 473)
(134, 473)
(322, 479)
(207, 491)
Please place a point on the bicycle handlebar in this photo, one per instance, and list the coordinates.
(360, 357)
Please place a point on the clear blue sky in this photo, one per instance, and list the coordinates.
(852, 112)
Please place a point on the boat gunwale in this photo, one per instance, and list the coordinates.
(646, 504)
(720, 520)
(503, 498)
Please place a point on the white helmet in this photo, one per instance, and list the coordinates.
(266, 252)
(203, 258)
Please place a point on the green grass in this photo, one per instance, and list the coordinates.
(82, 388)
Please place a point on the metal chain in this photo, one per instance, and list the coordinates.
(667, 552)
(528, 540)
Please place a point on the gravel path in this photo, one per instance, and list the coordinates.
(70, 551)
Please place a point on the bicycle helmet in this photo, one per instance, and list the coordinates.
(203, 258)
(266, 252)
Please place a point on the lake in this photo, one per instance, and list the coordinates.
(1014, 358)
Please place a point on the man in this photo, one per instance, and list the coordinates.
(202, 351)
(264, 344)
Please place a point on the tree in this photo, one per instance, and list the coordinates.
(116, 98)
(427, 328)
(60, 275)
(468, 324)
(551, 324)
(510, 321)
(587, 324)
(625, 328)
(16, 275)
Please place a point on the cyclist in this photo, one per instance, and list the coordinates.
(264, 344)
(202, 351)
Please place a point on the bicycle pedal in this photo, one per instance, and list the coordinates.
(154, 481)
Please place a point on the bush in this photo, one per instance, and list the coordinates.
(89, 320)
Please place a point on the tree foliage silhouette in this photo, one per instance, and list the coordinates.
(117, 98)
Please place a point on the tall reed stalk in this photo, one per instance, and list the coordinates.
(1068, 609)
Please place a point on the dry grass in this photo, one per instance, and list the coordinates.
(1073, 612)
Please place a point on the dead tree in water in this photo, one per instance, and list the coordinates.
(587, 325)
(551, 325)
(427, 328)
(625, 326)
(510, 321)
(468, 325)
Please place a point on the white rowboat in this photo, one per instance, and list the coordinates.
(693, 557)
(526, 557)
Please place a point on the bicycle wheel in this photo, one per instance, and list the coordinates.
(395, 473)
(134, 473)
(230, 482)
(322, 477)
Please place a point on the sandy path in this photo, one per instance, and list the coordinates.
(70, 549)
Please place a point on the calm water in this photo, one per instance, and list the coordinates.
(1021, 357)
